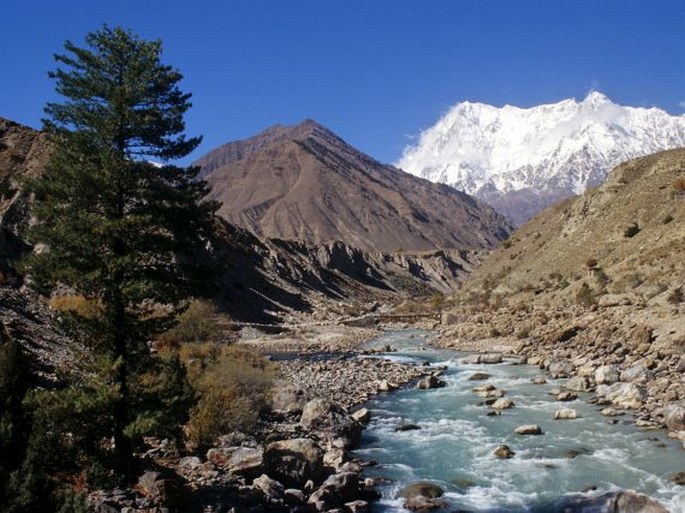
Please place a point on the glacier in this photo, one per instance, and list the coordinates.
(520, 160)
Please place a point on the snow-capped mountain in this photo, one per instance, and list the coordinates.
(521, 160)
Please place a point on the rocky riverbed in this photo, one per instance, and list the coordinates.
(629, 355)
(299, 458)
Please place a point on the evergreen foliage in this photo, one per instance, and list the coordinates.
(128, 235)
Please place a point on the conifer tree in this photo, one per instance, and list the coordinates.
(131, 236)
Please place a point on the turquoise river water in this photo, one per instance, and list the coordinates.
(454, 445)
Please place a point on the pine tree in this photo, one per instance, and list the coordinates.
(132, 237)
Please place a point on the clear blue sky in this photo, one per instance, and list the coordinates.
(375, 71)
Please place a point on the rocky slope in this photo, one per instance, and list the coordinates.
(593, 289)
(522, 160)
(23, 153)
(264, 280)
(304, 183)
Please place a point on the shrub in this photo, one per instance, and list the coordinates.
(631, 231)
(591, 263)
(667, 219)
(76, 305)
(585, 295)
(235, 390)
(679, 185)
(198, 324)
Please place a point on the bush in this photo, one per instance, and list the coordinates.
(235, 390)
(591, 263)
(523, 333)
(585, 295)
(199, 323)
(631, 231)
(679, 185)
(75, 304)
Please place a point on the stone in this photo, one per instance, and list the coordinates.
(490, 358)
(479, 376)
(579, 384)
(607, 374)
(502, 404)
(674, 417)
(385, 386)
(560, 369)
(272, 489)
(289, 399)
(528, 429)
(538, 380)
(503, 452)
(566, 396)
(293, 495)
(423, 489)
(565, 414)
(640, 334)
(612, 412)
(324, 415)
(637, 374)
(421, 503)
(627, 501)
(164, 490)
(358, 506)
(407, 427)
(362, 415)
(430, 382)
(678, 478)
(627, 395)
(295, 461)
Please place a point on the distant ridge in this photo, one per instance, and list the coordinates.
(305, 183)
(521, 160)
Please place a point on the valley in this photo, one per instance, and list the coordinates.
(588, 292)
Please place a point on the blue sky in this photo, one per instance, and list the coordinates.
(377, 72)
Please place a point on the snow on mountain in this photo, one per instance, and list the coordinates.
(521, 160)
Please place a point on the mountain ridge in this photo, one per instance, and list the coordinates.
(303, 182)
(520, 160)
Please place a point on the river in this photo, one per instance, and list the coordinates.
(454, 446)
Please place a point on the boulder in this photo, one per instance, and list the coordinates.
(579, 384)
(560, 369)
(479, 376)
(293, 462)
(385, 386)
(430, 382)
(489, 358)
(289, 399)
(323, 415)
(407, 427)
(423, 489)
(612, 412)
(627, 395)
(538, 380)
(678, 478)
(528, 429)
(674, 417)
(357, 506)
(565, 414)
(503, 452)
(162, 489)
(566, 396)
(270, 488)
(607, 374)
(421, 503)
(244, 461)
(628, 501)
(502, 404)
(638, 373)
(363, 415)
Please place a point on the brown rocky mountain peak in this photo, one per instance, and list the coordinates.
(305, 183)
